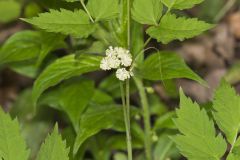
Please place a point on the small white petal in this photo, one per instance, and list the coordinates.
(105, 64)
(126, 59)
(114, 62)
(122, 74)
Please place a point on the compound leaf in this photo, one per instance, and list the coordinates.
(227, 110)
(75, 23)
(198, 139)
(147, 12)
(173, 28)
(103, 9)
(54, 148)
(181, 4)
(12, 145)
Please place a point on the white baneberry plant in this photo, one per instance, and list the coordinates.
(118, 58)
(76, 37)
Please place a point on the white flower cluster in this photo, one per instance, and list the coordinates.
(118, 58)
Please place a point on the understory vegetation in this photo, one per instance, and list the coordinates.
(103, 80)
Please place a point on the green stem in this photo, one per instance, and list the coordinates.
(141, 50)
(146, 118)
(126, 114)
(85, 8)
(129, 24)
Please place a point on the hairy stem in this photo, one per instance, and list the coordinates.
(88, 13)
(146, 118)
(126, 114)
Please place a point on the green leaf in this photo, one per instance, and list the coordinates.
(147, 12)
(165, 121)
(71, 0)
(120, 156)
(21, 46)
(12, 145)
(49, 42)
(79, 93)
(103, 9)
(227, 110)
(62, 69)
(138, 43)
(96, 119)
(9, 10)
(232, 76)
(232, 156)
(26, 68)
(173, 28)
(163, 147)
(101, 97)
(23, 107)
(27, 45)
(54, 148)
(35, 132)
(75, 23)
(180, 4)
(198, 138)
(166, 65)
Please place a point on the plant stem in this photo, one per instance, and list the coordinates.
(129, 24)
(85, 8)
(224, 10)
(126, 113)
(146, 118)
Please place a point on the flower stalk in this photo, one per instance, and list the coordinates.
(126, 114)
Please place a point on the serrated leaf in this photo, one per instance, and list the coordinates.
(12, 145)
(9, 10)
(54, 148)
(62, 69)
(166, 65)
(67, 22)
(103, 9)
(173, 28)
(198, 138)
(226, 104)
(147, 12)
(181, 4)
